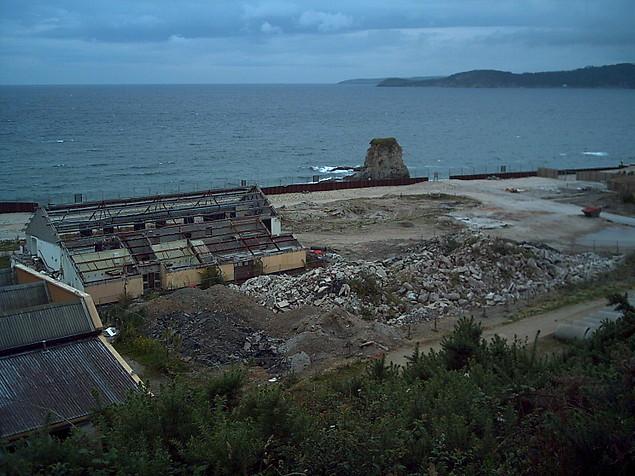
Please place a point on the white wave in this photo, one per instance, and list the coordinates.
(596, 154)
(60, 141)
(329, 169)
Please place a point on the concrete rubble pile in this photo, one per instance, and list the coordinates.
(436, 277)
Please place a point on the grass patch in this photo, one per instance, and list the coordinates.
(383, 141)
(157, 356)
(5, 262)
(151, 353)
(9, 245)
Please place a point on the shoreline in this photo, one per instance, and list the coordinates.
(319, 185)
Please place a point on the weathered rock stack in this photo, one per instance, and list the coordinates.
(383, 161)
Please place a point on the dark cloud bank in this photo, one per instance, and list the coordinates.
(197, 41)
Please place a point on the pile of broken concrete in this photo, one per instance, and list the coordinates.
(436, 277)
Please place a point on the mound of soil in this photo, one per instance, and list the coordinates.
(220, 326)
(218, 298)
(329, 336)
(214, 327)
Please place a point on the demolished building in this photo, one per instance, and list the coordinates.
(128, 247)
(56, 367)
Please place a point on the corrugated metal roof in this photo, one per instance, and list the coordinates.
(19, 328)
(58, 384)
(6, 277)
(20, 296)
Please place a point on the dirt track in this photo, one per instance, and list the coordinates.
(524, 329)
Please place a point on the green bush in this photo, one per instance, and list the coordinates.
(365, 285)
(462, 344)
(227, 386)
(474, 407)
(211, 276)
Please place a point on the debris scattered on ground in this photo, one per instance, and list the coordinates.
(347, 215)
(220, 326)
(460, 272)
(315, 337)
(480, 223)
(214, 327)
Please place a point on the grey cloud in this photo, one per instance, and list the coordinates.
(127, 21)
(304, 40)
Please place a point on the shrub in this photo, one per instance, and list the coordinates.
(462, 344)
(210, 276)
(378, 370)
(365, 285)
(421, 366)
(226, 386)
(475, 407)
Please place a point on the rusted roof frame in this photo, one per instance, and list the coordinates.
(75, 226)
(236, 196)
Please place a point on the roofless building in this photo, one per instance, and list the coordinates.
(128, 247)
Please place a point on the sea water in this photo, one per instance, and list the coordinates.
(110, 141)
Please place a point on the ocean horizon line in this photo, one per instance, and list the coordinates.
(162, 84)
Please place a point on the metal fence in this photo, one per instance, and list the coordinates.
(432, 172)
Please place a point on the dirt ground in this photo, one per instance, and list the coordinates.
(524, 329)
(609, 201)
(12, 225)
(220, 326)
(373, 222)
(383, 223)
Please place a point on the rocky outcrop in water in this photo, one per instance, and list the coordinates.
(383, 161)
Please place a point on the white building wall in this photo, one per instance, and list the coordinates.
(69, 274)
(49, 253)
(276, 227)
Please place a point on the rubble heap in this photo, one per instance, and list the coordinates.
(212, 338)
(438, 276)
(214, 327)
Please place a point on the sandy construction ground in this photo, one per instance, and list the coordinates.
(12, 225)
(376, 220)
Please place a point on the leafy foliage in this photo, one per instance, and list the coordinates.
(156, 355)
(365, 285)
(210, 276)
(486, 407)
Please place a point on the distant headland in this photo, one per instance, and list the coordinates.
(610, 76)
(377, 81)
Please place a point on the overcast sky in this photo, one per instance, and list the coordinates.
(280, 41)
